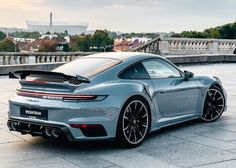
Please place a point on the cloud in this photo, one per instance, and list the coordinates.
(116, 6)
(20, 3)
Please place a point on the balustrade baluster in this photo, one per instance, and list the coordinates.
(41, 59)
(9, 60)
(16, 59)
(55, 58)
(24, 59)
(1, 60)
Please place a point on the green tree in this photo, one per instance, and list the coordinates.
(213, 33)
(22, 34)
(66, 33)
(80, 43)
(227, 31)
(84, 43)
(133, 34)
(33, 35)
(74, 43)
(48, 46)
(7, 45)
(101, 41)
(2, 35)
(176, 35)
(193, 34)
(112, 35)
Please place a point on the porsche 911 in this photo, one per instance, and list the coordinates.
(120, 96)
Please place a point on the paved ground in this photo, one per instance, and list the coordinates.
(192, 144)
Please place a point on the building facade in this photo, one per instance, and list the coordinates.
(43, 28)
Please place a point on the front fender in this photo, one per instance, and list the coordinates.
(205, 83)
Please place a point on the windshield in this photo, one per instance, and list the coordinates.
(87, 67)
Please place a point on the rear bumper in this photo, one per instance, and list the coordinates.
(61, 115)
(62, 131)
(38, 129)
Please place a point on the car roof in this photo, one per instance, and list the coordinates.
(121, 55)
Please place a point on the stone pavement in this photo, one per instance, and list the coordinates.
(192, 144)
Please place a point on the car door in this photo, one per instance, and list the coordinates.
(173, 95)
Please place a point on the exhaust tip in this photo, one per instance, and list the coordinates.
(12, 125)
(55, 133)
(48, 131)
(9, 125)
(52, 132)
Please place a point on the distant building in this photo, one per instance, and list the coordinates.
(62, 47)
(48, 36)
(59, 28)
(125, 44)
(44, 27)
(18, 39)
(121, 44)
(140, 39)
(67, 39)
(32, 46)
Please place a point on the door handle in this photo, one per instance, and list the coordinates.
(162, 91)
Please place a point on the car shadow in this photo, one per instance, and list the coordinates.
(175, 127)
(102, 145)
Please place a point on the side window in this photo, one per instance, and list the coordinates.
(158, 68)
(136, 71)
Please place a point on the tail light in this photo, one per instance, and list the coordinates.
(85, 125)
(65, 97)
(91, 130)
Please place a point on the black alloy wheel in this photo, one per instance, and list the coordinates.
(214, 104)
(134, 123)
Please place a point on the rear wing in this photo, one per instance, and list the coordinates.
(50, 74)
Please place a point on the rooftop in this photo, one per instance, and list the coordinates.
(120, 55)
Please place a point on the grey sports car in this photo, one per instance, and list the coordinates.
(120, 96)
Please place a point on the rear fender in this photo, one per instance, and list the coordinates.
(127, 90)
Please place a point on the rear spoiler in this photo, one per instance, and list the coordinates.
(24, 73)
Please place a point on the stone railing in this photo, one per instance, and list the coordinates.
(188, 46)
(151, 46)
(14, 58)
(197, 46)
(50, 61)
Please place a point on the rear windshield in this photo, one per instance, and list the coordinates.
(87, 67)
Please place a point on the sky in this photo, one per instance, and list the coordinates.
(122, 15)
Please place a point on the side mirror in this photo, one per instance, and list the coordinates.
(188, 75)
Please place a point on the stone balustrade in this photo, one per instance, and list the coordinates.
(14, 58)
(188, 46)
(11, 62)
(185, 46)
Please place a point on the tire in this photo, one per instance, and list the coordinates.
(134, 123)
(214, 104)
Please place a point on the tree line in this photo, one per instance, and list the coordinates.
(7, 45)
(102, 40)
(227, 31)
(99, 41)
